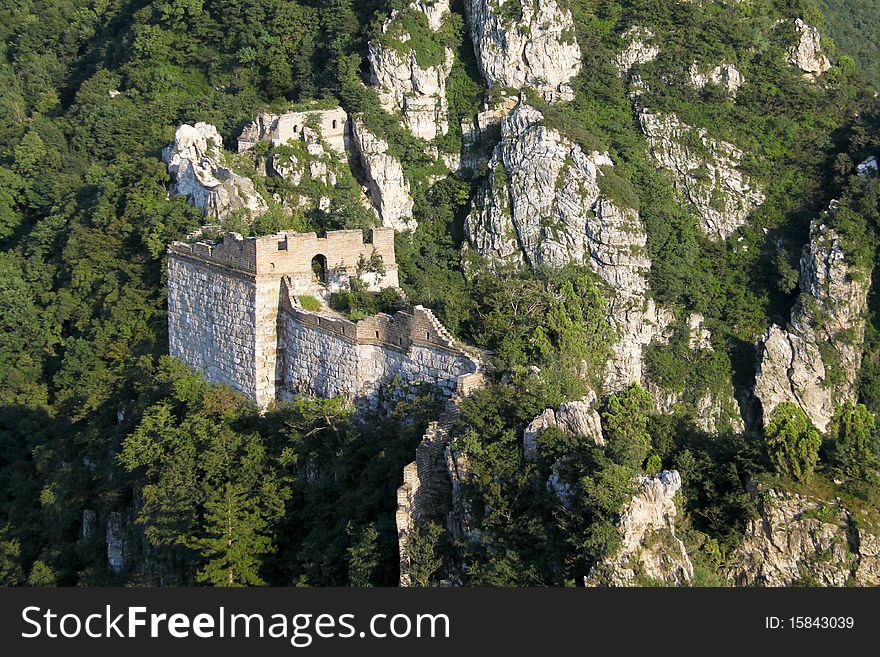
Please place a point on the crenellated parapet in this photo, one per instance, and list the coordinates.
(304, 257)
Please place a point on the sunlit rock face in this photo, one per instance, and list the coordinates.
(708, 177)
(389, 189)
(814, 361)
(807, 53)
(194, 162)
(405, 87)
(520, 44)
(798, 539)
(544, 204)
(650, 552)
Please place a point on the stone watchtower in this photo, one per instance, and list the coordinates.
(224, 296)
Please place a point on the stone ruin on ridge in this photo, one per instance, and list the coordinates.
(234, 314)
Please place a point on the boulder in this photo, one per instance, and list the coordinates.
(726, 75)
(577, 418)
(807, 53)
(194, 163)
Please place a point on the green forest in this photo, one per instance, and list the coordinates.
(95, 415)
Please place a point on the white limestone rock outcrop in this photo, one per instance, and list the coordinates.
(803, 540)
(520, 43)
(416, 92)
(708, 178)
(640, 49)
(807, 53)
(388, 186)
(544, 204)
(650, 552)
(577, 418)
(814, 362)
(868, 167)
(194, 162)
(726, 75)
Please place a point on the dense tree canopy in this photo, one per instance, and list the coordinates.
(94, 415)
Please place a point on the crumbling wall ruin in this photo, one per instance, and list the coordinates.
(234, 315)
(429, 483)
(331, 356)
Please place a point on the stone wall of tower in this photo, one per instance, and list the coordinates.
(211, 322)
(234, 315)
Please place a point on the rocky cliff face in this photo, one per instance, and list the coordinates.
(405, 87)
(807, 53)
(520, 43)
(802, 540)
(726, 75)
(544, 204)
(194, 162)
(706, 173)
(578, 418)
(389, 189)
(650, 552)
(640, 49)
(815, 360)
(540, 203)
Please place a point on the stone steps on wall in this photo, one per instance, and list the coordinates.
(441, 330)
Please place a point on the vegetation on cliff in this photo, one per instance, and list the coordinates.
(94, 416)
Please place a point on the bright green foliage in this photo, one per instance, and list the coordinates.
(309, 303)
(92, 417)
(10, 566)
(42, 575)
(556, 323)
(854, 25)
(625, 425)
(792, 442)
(421, 554)
(854, 443)
(234, 542)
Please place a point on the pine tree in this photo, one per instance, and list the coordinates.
(792, 442)
(855, 448)
(235, 539)
(625, 422)
(422, 557)
(363, 555)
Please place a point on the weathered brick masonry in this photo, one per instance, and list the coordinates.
(234, 315)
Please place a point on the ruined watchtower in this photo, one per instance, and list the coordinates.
(224, 295)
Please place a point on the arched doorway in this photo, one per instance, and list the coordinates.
(319, 269)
